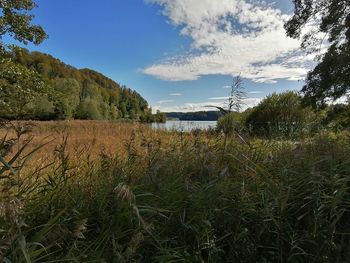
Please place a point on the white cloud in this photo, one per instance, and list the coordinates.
(342, 100)
(218, 98)
(231, 37)
(175, 94)
(255, 92)
(204, 106)
(160, 102)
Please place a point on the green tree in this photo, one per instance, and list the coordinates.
(114, 112)
(66, 97)
(331, 77)
(16, 22)
(88, 110)
(42, 108)
(279, 115)
(160, 117)
(147, 116)
(338, 116)
(72, 87)
(19, 86)
(123, 110)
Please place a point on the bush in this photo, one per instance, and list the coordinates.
(280, 115)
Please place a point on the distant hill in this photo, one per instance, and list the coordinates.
(72, 93)
(195, 116)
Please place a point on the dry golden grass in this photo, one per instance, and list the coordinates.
(90, 136)
(86, 140)
(127, 192)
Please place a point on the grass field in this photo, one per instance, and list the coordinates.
(91, 191)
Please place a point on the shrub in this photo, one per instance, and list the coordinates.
(279, 115)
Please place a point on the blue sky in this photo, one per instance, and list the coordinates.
(178, 54)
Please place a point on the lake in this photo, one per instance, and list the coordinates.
(184, 125)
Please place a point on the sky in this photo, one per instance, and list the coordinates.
(180, 55)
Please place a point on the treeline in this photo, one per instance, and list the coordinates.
(38, 86)
(285, 115)
(195, 116)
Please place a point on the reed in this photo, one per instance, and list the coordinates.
(115, 192)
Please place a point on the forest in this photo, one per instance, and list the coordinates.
(48, 89)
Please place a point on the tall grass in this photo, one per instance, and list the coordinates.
(138, 195)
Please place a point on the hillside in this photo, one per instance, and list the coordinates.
(65, 92)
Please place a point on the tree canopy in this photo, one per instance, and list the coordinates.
(16, 21)
(329, 20)
(279, 115)
(42, 87)
(19, 86)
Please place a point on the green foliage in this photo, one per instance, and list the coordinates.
(123, 110)
(15, 21)
(66, 96)
(331, 77)
(279, 115)
(42, 108)
(338, 116)
(160, 117)
(82, 94)
(23, 92)
(88, 110)
(147, 117)
(19, 86)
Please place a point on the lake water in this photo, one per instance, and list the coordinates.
(184, 125)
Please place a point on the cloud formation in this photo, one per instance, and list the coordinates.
(231, 37)
(218, 98)
(203, 106)
(160, 102)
